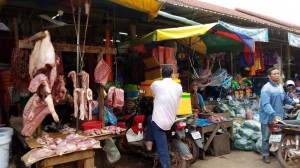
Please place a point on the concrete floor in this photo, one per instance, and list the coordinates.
(236, 159)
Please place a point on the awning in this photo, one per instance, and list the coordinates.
(257, 34)
(3, 27)
(206, 39)
(148, 6)
(294, 39)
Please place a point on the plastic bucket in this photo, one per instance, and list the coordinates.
(5, 142)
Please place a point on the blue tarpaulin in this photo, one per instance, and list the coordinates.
(257, 34)
(294, 39)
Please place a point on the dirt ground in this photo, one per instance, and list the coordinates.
(236, 159)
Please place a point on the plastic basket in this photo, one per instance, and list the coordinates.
(91, 125)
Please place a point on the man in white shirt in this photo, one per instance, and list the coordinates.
(166, 102)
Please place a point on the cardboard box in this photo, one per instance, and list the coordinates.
(220, 145)
(169, 55)
(146, 86)
(151, 62)
(159, 55)
(153, 73)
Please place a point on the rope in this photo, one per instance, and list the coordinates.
(73, 12)
(194, 71)
(88, 11)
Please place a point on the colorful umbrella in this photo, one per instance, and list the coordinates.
(206, 39)
(148, 6)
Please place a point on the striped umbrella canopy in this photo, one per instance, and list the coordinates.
(205, 39)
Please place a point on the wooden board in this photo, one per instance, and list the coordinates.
(71, 47)
(33, 144)
(57, 159)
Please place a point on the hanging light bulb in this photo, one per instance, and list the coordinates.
(59, 13)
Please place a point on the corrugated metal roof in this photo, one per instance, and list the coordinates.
(237, 14)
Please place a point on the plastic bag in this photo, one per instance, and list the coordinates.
(112, 152)
(244, 144)
(109, 116)
(251, 124)
(245, 132)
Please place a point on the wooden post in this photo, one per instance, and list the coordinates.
(101, 97)
(132, 30)
(288, 57)
(16, 31)
(108, 57)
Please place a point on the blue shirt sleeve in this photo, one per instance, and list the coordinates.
(201, 101)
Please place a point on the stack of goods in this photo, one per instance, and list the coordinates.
(247, 136)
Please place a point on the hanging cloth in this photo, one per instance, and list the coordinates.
(246, 59)
(271, 57)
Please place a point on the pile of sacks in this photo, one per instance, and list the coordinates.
(247, 136)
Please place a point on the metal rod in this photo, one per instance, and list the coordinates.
(178, 18)
(78, 54)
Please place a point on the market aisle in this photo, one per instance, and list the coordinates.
(236, 159)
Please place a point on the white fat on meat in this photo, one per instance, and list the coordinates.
(85, 86)
(73, 77)
(118, 98)
(89, 95)
(40, 153)
(110, 96)
(87, 143)
(33, 58)
(46, 54)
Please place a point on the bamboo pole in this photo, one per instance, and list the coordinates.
(288, 57)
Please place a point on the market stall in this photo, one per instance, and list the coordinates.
(84, 156)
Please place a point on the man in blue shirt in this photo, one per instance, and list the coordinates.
(272, 100)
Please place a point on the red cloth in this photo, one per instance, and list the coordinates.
(138, 120)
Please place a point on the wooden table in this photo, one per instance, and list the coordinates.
(84, 159)
(226, 126)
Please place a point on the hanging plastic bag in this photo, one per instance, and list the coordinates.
(112, 152)
(109, 116)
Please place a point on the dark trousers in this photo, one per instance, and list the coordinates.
(265, 148)
(159, 135)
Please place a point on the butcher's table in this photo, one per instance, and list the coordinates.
(226, 126)
(84, 159)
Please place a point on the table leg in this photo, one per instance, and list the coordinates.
(201, 154)
(89, 162)
(211, 137)
(80, 164)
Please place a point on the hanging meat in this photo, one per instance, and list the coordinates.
(83, 96)
(101, 72)
(115, 97)
(42, 70)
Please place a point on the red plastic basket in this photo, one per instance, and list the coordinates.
(91, 125)
(121, 124)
